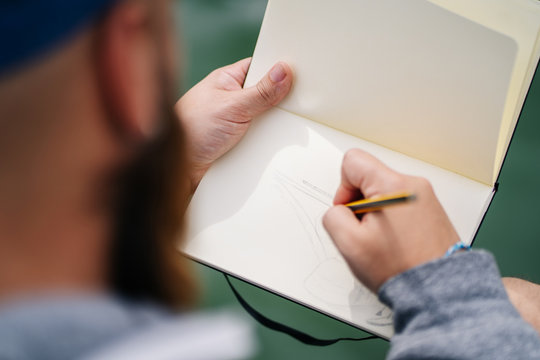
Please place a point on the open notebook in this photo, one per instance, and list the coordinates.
(432, 88)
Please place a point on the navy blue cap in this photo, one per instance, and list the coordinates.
(30, 28)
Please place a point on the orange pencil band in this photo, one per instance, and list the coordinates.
(379, 202)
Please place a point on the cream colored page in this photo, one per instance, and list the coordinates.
(257, 214)
(408, 75)
(519, 19)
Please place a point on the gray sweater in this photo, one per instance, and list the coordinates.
(456, 308)
(452, 308)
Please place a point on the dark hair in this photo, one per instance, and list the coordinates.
(153, 196)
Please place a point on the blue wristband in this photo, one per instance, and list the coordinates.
(460, 245)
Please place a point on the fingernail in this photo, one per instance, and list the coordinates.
(278, 73)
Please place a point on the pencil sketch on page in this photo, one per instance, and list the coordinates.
(331, 280)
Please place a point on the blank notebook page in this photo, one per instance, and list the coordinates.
(408, 75)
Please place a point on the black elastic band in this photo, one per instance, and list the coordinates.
(298, 335)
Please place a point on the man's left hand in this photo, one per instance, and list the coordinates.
(217, 112)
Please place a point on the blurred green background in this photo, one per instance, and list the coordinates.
(215, 33)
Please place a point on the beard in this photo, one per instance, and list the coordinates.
(152, 195)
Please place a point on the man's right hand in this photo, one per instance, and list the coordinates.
(386, 243)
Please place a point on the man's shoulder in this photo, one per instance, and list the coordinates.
(99, 327)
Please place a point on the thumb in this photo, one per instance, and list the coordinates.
(269, 91)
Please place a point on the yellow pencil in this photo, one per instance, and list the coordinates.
(379, 202)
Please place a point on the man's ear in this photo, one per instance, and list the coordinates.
(128, 66)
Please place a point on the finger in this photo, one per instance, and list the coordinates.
(238, 70)
(269, 91)
(355, 167)
(344, 228)
(363, 174)
(347, 193)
